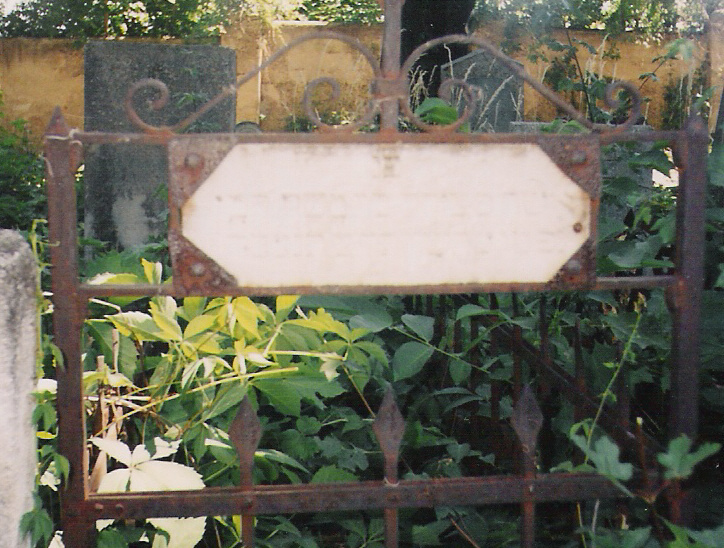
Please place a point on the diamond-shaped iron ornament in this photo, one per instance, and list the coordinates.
(245, 434)
(389, 427)
(527, 420)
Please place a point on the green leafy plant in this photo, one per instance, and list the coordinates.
(22, 180)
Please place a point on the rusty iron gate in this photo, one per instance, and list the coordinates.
(193, 157)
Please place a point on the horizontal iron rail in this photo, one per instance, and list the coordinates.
(91, 137)
(307, 498)
(604, 283)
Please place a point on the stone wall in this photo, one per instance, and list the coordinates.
(18, 344)
(36, 75)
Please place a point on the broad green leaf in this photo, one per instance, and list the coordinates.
(434, 110)
(679, 461)
(38, 524)
(198, 325)
(467, 310)
(323, 322)
(284, 305)
(281, 458)
(109, 538)
(137, 325)
(165, 320)
(429, 535)
(247, 314)
(653, 159)
(374, 350)
(610, 227)
(283, 397)
(62, 466)
(192, 307)
(286, 393)
(409, 359)
(153, 271)
(631, 254)
(605, 457)
(332, 474)
(102, 333)
(329, 367)
(422, 326)
(375, 320)
(115, 278)
(227, 397)
(459, 370)
(308, 425)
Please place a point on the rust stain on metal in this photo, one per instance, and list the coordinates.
(245, 433)
(389, 428)
(527, 420)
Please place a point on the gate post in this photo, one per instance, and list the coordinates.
(63, 156)
(686, 294)
(18, 344)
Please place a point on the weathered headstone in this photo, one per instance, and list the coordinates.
(18, 342)
(499, 98)
(125, 184)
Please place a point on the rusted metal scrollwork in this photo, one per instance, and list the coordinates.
(391, 89)
(228, 91)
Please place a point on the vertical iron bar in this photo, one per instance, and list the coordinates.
(545, 352)
(62, 156)
(527, 530)
(389, 427)
(517, 362)
(391, 49)
(690, 228)
(245, 433)
(691, 151)
(580, 375)
(527, 421)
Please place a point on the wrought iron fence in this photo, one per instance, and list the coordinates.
(192, 158)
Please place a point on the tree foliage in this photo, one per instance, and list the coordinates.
(96, 18)
(21, 175)
(615, 17)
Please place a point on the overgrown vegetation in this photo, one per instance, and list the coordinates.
(164, 378)
(21, 175)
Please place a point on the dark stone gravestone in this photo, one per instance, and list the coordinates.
(499, 94)
(125, 184)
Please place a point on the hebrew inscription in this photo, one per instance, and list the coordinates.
(354, 214)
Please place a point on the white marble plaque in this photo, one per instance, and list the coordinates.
(351, 214)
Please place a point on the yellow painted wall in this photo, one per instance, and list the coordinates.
(275, 95)
(38, 74)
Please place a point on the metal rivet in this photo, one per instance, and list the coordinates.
(193, 160)
(393, 498)
(98, 507)
(198, 269)
(578, 227)
(573, 266)
(579, 157)
(245, 503)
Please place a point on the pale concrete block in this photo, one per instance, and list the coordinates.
(17, 381)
